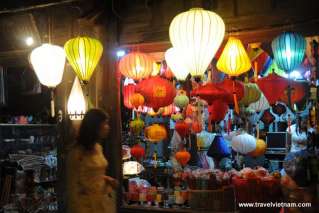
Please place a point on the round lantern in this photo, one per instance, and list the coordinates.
(83, 53)
(155, 133)
(289, 50)
(183, 157)
(243, 143)
(197, 127)
(136, 100)
(217, 111)
(158, 92)
(260, 148)
(261, 105)
(197, 34)
(182, 128)
(251, 94)
(137, 151)
(181, 100)
(175, 62)
(136, 65)
(234, 60)
(137, 126)
(128, 91)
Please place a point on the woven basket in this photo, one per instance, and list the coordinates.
(221, 200)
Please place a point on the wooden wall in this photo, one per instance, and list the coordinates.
(251, 20)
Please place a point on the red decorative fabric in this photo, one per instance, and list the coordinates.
(210, 92)
(217, 110)
(128, 91)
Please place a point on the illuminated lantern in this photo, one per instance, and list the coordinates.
(48, 63)
(289, 50)
(243, 143)
(210, 92)
(251, 94)
(132, 168)
(260, 148)
(189, 122)
(197, 34)
(137, 126)
(158, 92)
(83, 53)
(261, 105)
(137, 151)
(298, 92)
(136, 100)
(197, 127)
(182, 157)
(234, 60)
(76, 102)
(273, 87)
(217, 111)
(181, 100)
(155, 133)
(128, 91)
(189, 110)
(136, 65)
(156, 69)
(176, 64)
(182, 128)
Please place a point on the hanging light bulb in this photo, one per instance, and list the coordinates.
(175, 62)
(76, 102)
(197, 33)
(234, 60)
(83, 53)
(48, 63)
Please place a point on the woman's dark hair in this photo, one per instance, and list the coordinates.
(90, 127)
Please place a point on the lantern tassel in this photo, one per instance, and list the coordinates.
(255, 71)
(235, 98)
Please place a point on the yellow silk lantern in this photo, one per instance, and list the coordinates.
(83, 53)
(197, 33)
(234, 60)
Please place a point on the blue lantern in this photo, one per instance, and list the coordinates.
(289, 50)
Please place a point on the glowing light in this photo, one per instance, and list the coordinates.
(29, 41)
(120, 53)
(76, 102)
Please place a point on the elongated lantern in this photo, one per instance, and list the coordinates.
(197, 33)
(234, 60)
(48, 63)
(174, 60)
(289, 50)
(83, 53)
(137, 65)
(76, 101)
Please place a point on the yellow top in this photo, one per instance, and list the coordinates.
(87, 189)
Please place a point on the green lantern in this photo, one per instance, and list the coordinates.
(289, 50)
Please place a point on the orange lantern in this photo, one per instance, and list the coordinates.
(182, 128)
(155, 133)
(137, 151)
(136, 65)
(158, 92)
(136, 100)
(189, 110)
(183, 157)
(260, 148)
(197, 127)
(128, 91)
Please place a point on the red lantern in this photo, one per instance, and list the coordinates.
(298, 92)
(210, 92)
(189, 110)
(228, 85)
(183, 157)
(217, 110)
(157, 92)
(182, 128)
(128, 91)
(273, 86)
(137, 151)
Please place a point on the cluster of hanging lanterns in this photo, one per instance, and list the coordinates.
(48, 61)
